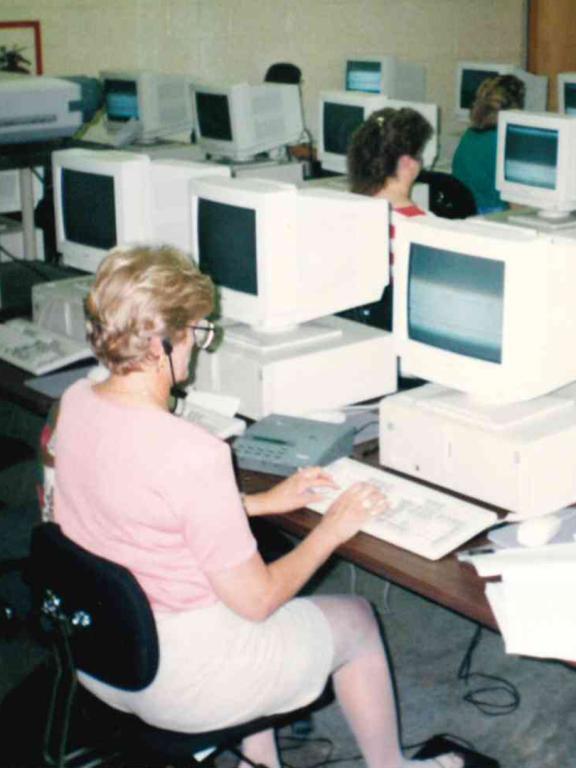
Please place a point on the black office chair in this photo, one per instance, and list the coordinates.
(103, 625)
(449, 197)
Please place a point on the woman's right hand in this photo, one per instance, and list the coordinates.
(348, 513)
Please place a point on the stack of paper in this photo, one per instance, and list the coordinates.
(534, 602)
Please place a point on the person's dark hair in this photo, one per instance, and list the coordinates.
(494, 94)
(380, 142)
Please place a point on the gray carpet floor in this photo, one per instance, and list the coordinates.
(426, 646)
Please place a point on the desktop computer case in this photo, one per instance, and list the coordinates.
(359, 364)
(528, 468)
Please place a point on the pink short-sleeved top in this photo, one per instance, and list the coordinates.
(149, 491)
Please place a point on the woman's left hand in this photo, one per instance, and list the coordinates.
(298, 490)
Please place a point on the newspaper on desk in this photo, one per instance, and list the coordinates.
(534, 602)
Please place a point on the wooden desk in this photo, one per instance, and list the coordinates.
(447, 582)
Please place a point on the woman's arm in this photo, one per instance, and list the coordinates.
(297, 491)
(255, 590)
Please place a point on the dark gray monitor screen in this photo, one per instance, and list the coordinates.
(456, 302)
(340, 122)
(227, 245)
(472, 79)
(531, 156)
(89, 209)
(365, 76)
(570, 98)
(121, 100)
(213, 110)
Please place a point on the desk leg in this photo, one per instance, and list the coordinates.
(27, 202)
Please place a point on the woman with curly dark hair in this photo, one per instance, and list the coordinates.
(384, 160)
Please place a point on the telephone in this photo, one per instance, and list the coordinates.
(282, 444)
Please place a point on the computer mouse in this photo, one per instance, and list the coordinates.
(539, 531)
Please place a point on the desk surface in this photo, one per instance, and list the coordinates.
(447, 581)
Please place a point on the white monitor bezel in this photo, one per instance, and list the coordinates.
(562, 80)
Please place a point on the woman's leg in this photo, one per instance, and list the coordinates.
(261, 748)
(363, 684)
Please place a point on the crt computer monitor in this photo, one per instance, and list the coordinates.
(471, 74)
(536, 164)
(567, 93)
(342, 113)
(108, 198)
(388, 75)
(161, 104)
(240, 121)
(282, 256)
(485, 309)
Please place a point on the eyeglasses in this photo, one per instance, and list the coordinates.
(203, 334)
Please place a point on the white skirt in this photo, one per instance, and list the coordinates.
(217, 669)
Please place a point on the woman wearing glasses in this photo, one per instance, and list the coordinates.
(141, 487)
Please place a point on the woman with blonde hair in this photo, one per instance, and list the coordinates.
(141, 487)
(474, 162)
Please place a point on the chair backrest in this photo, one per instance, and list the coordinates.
(448, 196)
(114, 637)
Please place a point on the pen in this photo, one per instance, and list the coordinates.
(466, 554)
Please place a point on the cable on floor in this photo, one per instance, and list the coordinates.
(497, 696)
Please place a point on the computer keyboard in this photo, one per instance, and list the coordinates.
(37, 350)
(217, 423)
(420, 519)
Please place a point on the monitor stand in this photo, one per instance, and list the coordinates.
(521, 458)
(544, 223)
(349, 363)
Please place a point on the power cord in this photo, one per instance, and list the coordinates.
(497, 696)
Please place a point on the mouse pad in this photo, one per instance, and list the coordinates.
(440, 745)
(505, 536)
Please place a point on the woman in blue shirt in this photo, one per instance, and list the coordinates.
(474, 161)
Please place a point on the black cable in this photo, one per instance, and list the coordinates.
(498, 696)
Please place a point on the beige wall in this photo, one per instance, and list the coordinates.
(238, 39)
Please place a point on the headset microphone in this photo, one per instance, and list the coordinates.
(178, 393)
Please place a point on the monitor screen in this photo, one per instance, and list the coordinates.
(471, 80)
(484, 308)
(340, 122)
(227, 245)
(570, 98)
(213, 110)
(365, 76)
(121, 100)
(89, 209)
(455, 302)
(531, 155)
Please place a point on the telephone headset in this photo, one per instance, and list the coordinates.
(176, 391)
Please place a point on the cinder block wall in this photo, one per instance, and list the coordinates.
(234, 40)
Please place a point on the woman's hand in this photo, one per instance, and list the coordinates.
(298, 490)
(355, 506)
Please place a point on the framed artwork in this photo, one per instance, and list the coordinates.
(20, 47)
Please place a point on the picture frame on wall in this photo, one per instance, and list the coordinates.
(20, 47)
